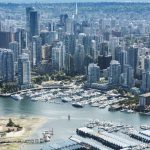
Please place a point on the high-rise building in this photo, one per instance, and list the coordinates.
(21, 37)
(122, 60)
(63, 19)
(36, 50)
(58, 56)
(45, 36)
(32, 23)
(87, 44)
(93, 73)
(81, 37)
(114, 42)
(5, 39)
(94, 52)
(114, 72)
(147, 64)
(104, 48)
(69, 64)
(46, 52)
(14, 46)
(145, 86)
(79, 59)
(69, 26)
(6, 65)
(53, 37)
(70, 43)
(132, 55)
(24, 71)
(118, 49)
(128, 76)
(104, 61)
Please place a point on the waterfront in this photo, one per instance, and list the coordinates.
(57, 116)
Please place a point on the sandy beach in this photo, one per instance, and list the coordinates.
(30, 125)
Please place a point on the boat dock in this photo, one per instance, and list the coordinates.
(146, 133)
(108, 139)
(141, 136)
(90, 142)
(65, 145)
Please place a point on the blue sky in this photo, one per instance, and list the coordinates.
(29, 1)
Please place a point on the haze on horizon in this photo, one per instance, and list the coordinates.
(64, 1)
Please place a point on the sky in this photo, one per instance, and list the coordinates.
(54, 1)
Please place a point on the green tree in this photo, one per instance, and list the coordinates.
(10, 123)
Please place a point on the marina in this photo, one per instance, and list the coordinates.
(49, 103)
(77, 96)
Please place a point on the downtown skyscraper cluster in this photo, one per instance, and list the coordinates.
(74, 42)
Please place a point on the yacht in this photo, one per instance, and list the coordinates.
(148, 113)
(102, 106)
(145, 127)
(123, 110)
(77, 104)
(95, 105)
(16, 97)
(66, 99)
(130, 111)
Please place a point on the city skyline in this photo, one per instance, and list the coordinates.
(65, 68)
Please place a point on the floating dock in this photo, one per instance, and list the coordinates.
(141, 136)
(107, 139)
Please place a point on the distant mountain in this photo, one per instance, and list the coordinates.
(64, 1)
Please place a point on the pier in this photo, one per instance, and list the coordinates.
(141, 136)
(105, 138)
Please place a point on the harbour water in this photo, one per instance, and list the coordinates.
(57, 115)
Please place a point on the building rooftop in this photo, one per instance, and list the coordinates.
(114, 62)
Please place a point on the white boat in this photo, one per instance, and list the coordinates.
(95, 105)
(123, 110)
(145, 113)
(102, 106)
(17, 97)
(130, 111)
(66, 99)
(145, 127)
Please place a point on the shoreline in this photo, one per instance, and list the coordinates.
(30, 125)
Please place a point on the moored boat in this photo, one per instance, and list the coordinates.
(17, 97)
(77, 104)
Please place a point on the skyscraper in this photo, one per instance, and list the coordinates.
(114, 73)
(128, 76)
(36, 50)
(145, 86)
(21, 38)
(114, 42)
(14, 46)
(6, 65)
(132, 55)
(58, 56)
(70, 43)
(93, 73)
(147, 64)
(79, 59)
(122, 60)
(32, 23)
(5, 39)
(24, 71)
